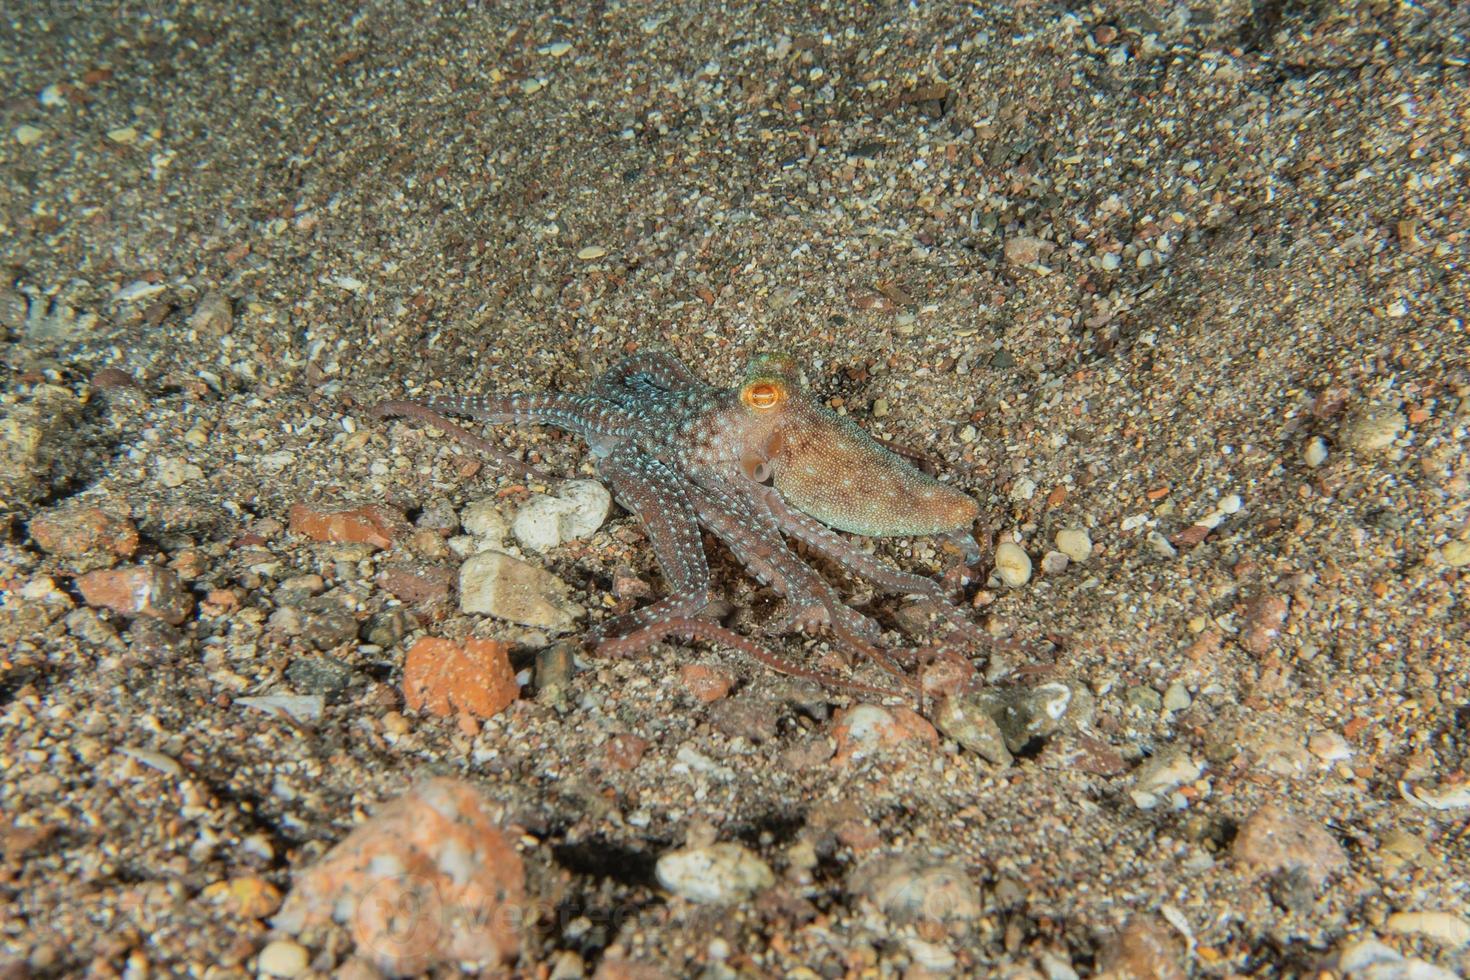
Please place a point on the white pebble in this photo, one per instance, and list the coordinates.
(26, 135)
(1446, 927)
(283, 958)
(482, 518)
(1075, 543)
(1316, 452)
(1054, 563)
(1012, 564)
(1134, 521)
(1231, 504)
(1160, 545)
(591, 252)
(717, 874)
(577, 510)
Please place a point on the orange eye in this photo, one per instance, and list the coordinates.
(763, 394)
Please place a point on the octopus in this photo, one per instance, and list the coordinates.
(761, 466)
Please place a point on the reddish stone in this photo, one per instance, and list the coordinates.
(80, 530)
(865, 729)
(443, 676)
(859, 835)
(627, 585)
(430, 880)
(1191, 537)
(1264, 616)
(374, 524)
(914, 726)
(706, 683)
(1146, 949)
(142, 590)
(625, 751)
(418, 583)
(1275, 840)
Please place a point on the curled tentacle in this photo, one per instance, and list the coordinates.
(715, 633)
(413, 410)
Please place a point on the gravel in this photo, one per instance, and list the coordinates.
(1130, 275)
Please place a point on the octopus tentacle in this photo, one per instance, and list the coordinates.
(829, 543)
(588, 416)
(402, 409)
(750, 533)
(636, 373)
(715, 633)
(656, 496)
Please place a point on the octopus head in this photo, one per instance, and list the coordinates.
(824, 465)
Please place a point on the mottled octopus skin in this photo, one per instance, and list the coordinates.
(749, 463)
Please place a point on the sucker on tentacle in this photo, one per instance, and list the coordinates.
(751, 464)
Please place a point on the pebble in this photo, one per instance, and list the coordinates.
(496, 584)
(1315, 453)
(1160, 545)
(175, 472)
(907, 889)
(140, 590)
(445, 676)
(1329, 747)
(212, 316)
(249, 896)
(1075, 543)
(124, 135)
(283, 958)
(1274, 840)
(866, 730)
(590, 252)
(320, 675)
(1146, 948)
(965, 720)
(34, 442)
(418, 583)
(1026, 250)
(1012, 564)
(1373, 429)
(301, 707)
(482, 519)
(880, 408)
(376, 525)
(1369, 959)
(706, 683)
(73, 531)
(1176, 697)
(1443, 927)
(437, 851)
(26, 135)
(164, 763)
(577, 510)
(714, 874)
(1028, 713)
(1265, 614)
(1157, 778)
(751, 718)
(1455, 554)
(555, 666)
(1054, 562)
(625, 750)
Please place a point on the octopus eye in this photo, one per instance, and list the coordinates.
(763, 394)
